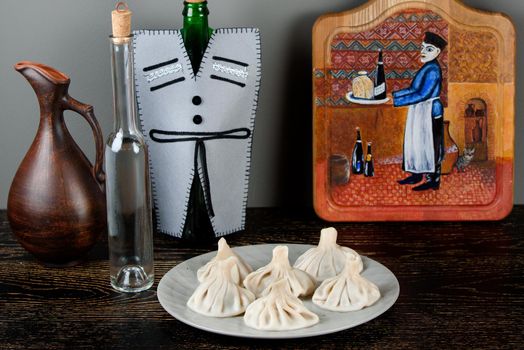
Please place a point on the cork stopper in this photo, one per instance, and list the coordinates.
(195, 1)
(121, 20)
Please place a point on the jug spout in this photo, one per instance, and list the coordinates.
(48, 83)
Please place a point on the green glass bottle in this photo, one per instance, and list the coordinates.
(198, 229)
(196, 31)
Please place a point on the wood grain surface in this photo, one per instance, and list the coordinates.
(461, 286)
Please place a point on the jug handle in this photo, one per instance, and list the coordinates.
(88, 113)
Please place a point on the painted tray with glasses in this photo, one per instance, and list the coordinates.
(442, 144)
(177, 285)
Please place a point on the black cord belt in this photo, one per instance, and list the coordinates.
(163, 136)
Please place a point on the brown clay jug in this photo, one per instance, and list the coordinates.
(470, 111)
(56, 205)
(476, 132)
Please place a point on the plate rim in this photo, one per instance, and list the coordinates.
(355, 100)
(272, 334)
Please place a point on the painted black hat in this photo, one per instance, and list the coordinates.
(435, 40)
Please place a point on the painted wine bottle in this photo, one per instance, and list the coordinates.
(196, 33)
(369, 167)
(380, 79)
(357, 159)
(129, 214)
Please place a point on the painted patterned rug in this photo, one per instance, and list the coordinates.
(475, 186)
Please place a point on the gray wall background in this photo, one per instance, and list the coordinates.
(71, 35)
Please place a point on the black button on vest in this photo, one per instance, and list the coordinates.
(197, 100)
(197, 119)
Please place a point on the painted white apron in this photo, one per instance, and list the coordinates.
(419, 151)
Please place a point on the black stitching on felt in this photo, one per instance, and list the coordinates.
(200, 150)
(152, 176)
(161, 64)
(256, 31)
(227, 80)
(229, 60)
(171, 82)
(183, 49)
(178, 231)
(204, 56)
(240, 133)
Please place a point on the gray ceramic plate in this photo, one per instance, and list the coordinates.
(178, 284)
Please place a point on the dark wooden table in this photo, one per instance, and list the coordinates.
(461, 286)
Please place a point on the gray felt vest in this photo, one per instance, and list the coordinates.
(203, 122)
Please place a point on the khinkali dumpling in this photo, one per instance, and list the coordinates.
(224, 252)
(219, 295)
(328, 258)
(279, 310)
(300, 283)
(348, 291)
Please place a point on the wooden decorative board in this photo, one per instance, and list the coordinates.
(447, 124)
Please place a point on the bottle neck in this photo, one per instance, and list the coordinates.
(380, 57)
(359, 139)
(123, 86)
(369, 149)
(196, 31)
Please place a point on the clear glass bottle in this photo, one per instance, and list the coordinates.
(129, 215)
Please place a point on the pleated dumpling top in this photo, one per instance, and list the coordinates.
(224, 252)
(279, 310)
(348, 291)
(300, 282)
(219, 295)
(328, 258)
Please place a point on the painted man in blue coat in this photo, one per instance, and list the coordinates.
(424, 132)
